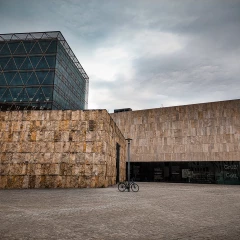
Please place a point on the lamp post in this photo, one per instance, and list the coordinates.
(128, 139)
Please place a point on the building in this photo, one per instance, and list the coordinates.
(197, 143)
(60, 149)
(40, 71)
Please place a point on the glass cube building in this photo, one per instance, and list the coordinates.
(40, 71)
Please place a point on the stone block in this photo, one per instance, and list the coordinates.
(65, 136)
(56, 115)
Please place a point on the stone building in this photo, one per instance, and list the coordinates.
(193, 143)
(60, 149)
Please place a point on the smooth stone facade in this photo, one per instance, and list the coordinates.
(59, 149)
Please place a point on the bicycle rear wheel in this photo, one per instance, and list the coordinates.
(135, 187)
(121, 187)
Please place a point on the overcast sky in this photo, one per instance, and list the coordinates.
(143, 53)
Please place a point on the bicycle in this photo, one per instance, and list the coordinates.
(123, 186)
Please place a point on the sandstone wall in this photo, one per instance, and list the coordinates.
(59, 149)
(199, 132)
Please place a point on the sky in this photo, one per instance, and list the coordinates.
(143, 54)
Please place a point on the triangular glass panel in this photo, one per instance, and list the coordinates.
(48, 92)
(25, 76)
(5, 50)
(9, 76)
(20, 49)
(1, 46)
(19, 61)
(42, 64)
(36, 48)
(23, 96)
(51, 61)
(3, 62)
(35, 60)
(52, 48)
(45, 35)
(14, 37)
(31, 92)
(41, 96)
(33, 80)
(13, 46)
(16, 80)
(29, 36)
(44, 44)
(26, 64)
(11, 65)
(15, 93)
(41, 75)
(2, 90)
(37, 35)
(28, 46)
(6, 97)
(2, 80)
(47, 79)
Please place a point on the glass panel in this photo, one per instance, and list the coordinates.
(9, 76)
(33, 80)
(42, 64)
(13, 46)
(15, 93)
(2, 80)
(2, 90)
(36, 97)
(28, 46)
(1, 46)
(23, 96)
(3, 62)
(52, 47)
(51, 61)
(44, 45)
(20, 49)
(36, 49)
(47, 92)
(49, 79)
(35, 60)
(25, 76)
(26, 65)
(19, 61)
(41, 76)
(11, 65)
(16, 80)
(40, 95)
(31, 92)
(7, 97)
(5, 50)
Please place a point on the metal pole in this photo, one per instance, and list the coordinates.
(128, 139)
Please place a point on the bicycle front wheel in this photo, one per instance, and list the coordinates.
(135, 187)
(121, 187)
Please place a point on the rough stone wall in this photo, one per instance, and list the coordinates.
(199, 132)
(59, 149)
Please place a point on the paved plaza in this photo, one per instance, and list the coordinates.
(157, 211)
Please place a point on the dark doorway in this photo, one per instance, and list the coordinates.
(117, 161)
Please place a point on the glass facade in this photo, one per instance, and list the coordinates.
(40, 71)
(219, 172)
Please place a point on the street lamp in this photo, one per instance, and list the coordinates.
(128, 139)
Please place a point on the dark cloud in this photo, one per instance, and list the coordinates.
(143, 54)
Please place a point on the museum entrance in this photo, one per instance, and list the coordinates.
(225, 172)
